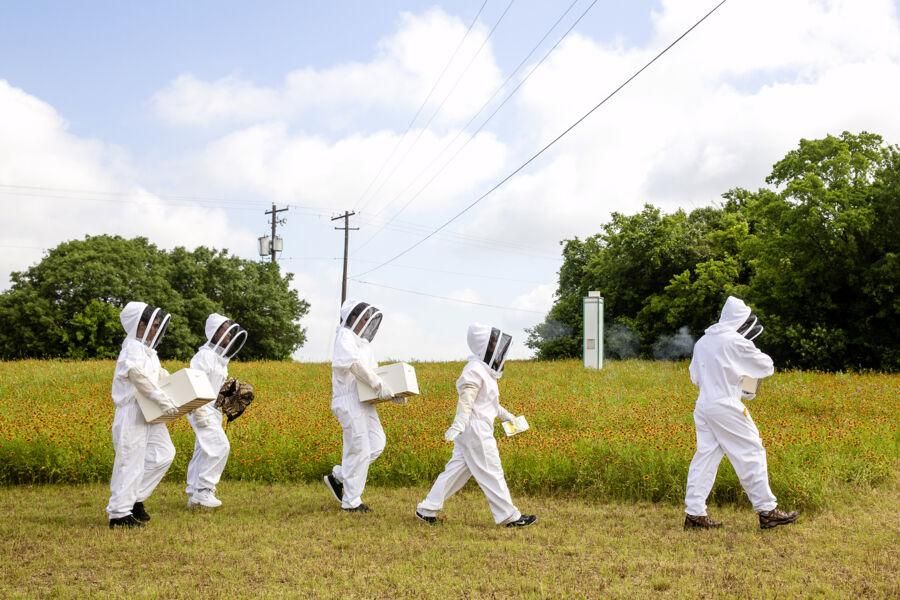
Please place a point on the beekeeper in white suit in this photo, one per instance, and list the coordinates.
(724, 355)
(143, 451)
(354, 360)
(225, 338)
(475, 451)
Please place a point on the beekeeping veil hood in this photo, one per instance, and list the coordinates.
(490, 346)
(144, 323)
(737, 316)
(224, 336)
(361, 318)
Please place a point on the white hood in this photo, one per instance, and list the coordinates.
(130, 317)
(213, 322)
(479, 338)
(734, 313)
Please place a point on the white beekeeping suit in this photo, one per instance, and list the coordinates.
(143, 451)
(353, 359)
(475, 451)
(724, 355)
(225, 338)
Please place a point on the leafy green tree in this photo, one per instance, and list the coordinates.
(816, 255)
(68, 304)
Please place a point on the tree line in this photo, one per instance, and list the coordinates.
(67, 305)
(815, 253)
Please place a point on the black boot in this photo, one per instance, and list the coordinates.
(334, 486)
(701, 522)
(362, 508)
(128, 521)
(775, 517)
(139, 512)
(523, 521)
(429, 520)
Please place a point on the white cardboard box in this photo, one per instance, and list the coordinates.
(400, 377)
(517, 425)
(188, 388)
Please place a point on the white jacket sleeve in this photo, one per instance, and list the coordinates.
(152, 391)
(370, 378)
(753, 361)
(467, 394)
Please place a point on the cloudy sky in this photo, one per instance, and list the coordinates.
(183, 123)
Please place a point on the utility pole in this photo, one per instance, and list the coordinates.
(347, 229)
(275, 221)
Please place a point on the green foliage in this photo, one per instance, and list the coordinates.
(817, 257)
(68, 304)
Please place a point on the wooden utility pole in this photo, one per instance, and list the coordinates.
(275, 222)
(347, 229)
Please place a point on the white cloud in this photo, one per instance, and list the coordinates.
(55, 186)
(397, 79)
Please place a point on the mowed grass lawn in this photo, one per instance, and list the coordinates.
(291, 540)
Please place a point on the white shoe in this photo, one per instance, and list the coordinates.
(205, 498)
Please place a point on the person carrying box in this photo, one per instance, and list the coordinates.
(225, 338)
(364, 440)
(143, 451)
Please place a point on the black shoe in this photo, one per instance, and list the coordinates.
(362, 508)
(429, 520)
(523, 521)
(701, 522)
(775, 517)
(127, 521)
(334, 486)
(139, 512)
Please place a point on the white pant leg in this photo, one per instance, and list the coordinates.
(705, 464)
(129, 437)
(450, 481)
(483, 460)
(739, 438)
(377, 439)
(158, 457)
(356, 418)
(211, 448)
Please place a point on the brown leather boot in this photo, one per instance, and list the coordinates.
(775, 517)
(703, 522)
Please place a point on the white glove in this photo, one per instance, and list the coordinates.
(505, 415)
(452, 433)
(165, 403)
(371, 379)
(467, 394)
(203, 418)
(384, 391)
(149, 390)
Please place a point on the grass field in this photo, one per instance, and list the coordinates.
(621, 434)
(290, 540)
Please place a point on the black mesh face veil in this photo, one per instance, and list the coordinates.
(229, 339)
(364, 321)
(354, 314)
(372, 326)
(751, 328)
(152, 326)
(497, 346)
(500, 354)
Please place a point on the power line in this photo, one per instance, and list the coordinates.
(537, 312)
(444, 101)
(549, 144)
(424, 102)
(475, 116)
